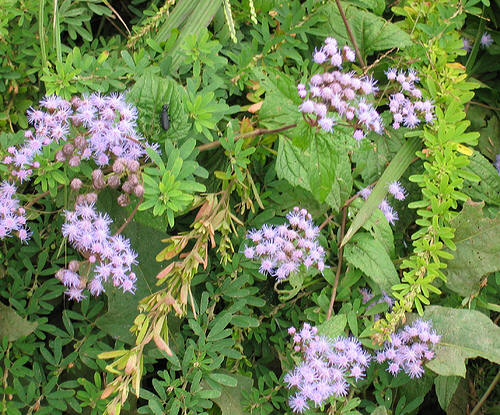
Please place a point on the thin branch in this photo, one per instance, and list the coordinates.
(258, 131)
(351, 36)
(484, 105)
(40, 196)
(124, 225)
(486, 394)
(339, 264)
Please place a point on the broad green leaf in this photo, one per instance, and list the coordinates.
(333, 327)
(393, 172)
(488, 189)
(323, 168)
(223, 379)
(478, 245)
(149, 94)
(13, 325)
(445, 389)
(464, 334)
(372, 33)
(370, 256)
(380, 410)
(231, 398)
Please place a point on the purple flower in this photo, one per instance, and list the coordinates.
(408, 351)
(281, 250)
(397, 190)
(486, 40)
(327, 369)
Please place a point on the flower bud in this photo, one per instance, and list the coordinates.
(60, 156)
(127, 187)
(74, 161)
(133, 179)
(133, 165)
(139, 190)
(68, 149)
(114, 181)
(119, 166)
(91, 197)
(74, 266)
(123, 200)
(76, 184)
(80, 142)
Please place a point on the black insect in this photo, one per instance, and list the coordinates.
(165, 120)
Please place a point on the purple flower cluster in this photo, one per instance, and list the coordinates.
(410, 349)
(396, 190)
(111, 256)
(326, 368)
(485, 42)
(340, 93)
(406, 112)
(95, 126)
(12, 216)
(282, 249)
(367, 296)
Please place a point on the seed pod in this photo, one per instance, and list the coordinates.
(165, 120)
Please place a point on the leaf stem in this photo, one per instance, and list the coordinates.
(351, 36)
(486, 394)
(258, 131)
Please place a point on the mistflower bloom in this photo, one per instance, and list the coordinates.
(111, 131)
(283, 249)
(486, 40)
(327, 369)
(497, 163)
(406, 105)
(88, 231)
(397, 190)
(467, 45)
(410, 349)
(340, 93)
(12, 215)
(399, 193)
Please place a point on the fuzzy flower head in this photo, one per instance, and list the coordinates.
(486, 40)
(339, 94)
(327, 369)
(410, 349)
(110, 256)
(407, 107)
(12, 215)
(283, 249)
(367, 297)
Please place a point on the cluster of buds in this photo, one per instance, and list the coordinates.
(406, 106)
(111, 257)
(335, 95)
(326, 368)
(282, 249)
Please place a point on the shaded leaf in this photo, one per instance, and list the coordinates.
(13, 325)
(488, 189)
(445, 389)
(333, 327)
(464, 334)
(478, 243)
(231, 398)
(370, 256)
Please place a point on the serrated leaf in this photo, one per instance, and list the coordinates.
(464, 334)
(370, 256)
(150, 93)
(477, 239)
(372, 33)
(333, 327)
(488, 189)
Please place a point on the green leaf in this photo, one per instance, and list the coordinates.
(322, 167)
(149, 94)
(370, 256)
(333, 327)
(393, 172)
(13, 325)
(372, 33)
(379, 410)
(245, 321)
(477, 239)
(488, 189)
(223, 379)
(445, 389)
(231, 398)
(464, 334)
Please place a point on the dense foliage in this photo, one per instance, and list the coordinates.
(249, 207)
